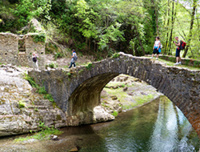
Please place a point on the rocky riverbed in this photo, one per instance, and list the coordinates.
(125, 92)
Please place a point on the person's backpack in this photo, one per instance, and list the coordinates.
(182, 46)
(34, 59)
(75, 57)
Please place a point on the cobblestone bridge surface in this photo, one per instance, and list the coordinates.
(77, 91)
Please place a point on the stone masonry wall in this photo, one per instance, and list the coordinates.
(8, 48)
(77, 91)
(10, 52)
(38, 47)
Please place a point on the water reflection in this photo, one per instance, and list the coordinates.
(157, 127)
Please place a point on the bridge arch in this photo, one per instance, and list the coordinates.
(78, 92)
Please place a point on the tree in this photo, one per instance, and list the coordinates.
(191, 27)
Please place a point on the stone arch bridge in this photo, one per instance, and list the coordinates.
(77, 92)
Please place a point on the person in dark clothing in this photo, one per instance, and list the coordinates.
(178, 58)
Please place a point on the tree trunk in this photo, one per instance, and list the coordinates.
(154, 17)
(172, 28)
(157, 26)
(191, 27)
(89, 43)
(166, 45)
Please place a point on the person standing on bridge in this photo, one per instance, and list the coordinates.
(73, 59)
(157, 47)
(178, 58)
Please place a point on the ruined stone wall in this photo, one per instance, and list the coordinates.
(12, 53)
(8, 48)
(37, 47)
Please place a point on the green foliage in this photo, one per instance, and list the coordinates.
(115, 113)
(49, 97)
(52, 65)
(107, 26)
(39, 37)
(69, 74)
(112, 33)
(80, 71)
(22, 104)
(58, 55)
(89, 66)
(36, 110)
(104, 105)
(30, 80)
(40, 90)
(44, 134)
(116, 55)
(196, 63)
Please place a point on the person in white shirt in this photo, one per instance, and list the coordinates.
(156, 47)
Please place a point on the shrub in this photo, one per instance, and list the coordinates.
(115, 55)
(30, 80)
(41, 90)
(21, 104)
(49, 97)
(115, 113)
(53, 65)
(89, 66)
(44, 134)
(39, 38)
(58, 55)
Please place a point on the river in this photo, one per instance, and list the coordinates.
(158, 126)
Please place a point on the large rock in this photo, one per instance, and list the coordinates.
(16, 119)
(101, 115)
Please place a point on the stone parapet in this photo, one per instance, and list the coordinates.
(189, 62)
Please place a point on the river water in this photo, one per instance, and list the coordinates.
(158, 126)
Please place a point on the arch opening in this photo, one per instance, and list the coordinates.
(85, 98)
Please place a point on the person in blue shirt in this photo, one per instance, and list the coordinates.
(73, 59)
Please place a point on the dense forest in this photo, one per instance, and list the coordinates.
(107, 26)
